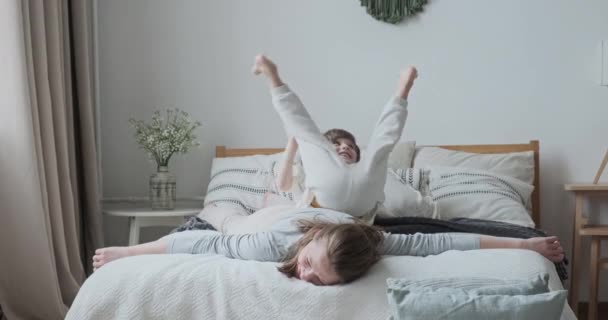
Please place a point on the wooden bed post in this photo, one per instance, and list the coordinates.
(536, 193)
(220, 151)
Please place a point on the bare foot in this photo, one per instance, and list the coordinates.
(105, 255)
(263, 65)
(549, 247)
(406, 81)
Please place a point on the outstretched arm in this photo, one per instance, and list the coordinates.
(428, 244)
(549, 247)
(431, 244)
(260, 246)
(285, 177)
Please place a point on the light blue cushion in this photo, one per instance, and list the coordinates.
(537, 283)
(474, 298)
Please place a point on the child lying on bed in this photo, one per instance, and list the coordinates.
(322, 246)
(337, 177)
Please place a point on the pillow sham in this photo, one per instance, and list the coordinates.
(519, 165)
(243, 182)
(479, 194)
(514, 301)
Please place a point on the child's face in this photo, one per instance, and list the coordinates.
(346, 150)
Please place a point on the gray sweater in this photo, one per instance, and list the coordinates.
(272, 245)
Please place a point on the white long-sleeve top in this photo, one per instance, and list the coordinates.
(274, 243)
(352, 188)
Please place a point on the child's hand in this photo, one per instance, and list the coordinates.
(292, 143)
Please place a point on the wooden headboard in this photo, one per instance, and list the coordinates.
(533, 145)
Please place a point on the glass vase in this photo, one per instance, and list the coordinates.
(162, 189)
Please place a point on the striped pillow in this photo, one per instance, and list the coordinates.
(469, 193)
(406, 194)
(242, 182)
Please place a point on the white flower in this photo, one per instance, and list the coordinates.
(164, 137)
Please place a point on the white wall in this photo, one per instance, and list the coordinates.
(490, 72)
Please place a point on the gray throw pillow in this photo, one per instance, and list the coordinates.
(475, 298)
(536, 283)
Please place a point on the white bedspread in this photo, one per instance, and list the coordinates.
(214, 287)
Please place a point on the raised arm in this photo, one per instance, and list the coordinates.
(389, 126)
(296, 119)
(285, 177)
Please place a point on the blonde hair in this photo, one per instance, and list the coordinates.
(352, 248)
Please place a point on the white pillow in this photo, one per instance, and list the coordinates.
(242, 182)
(479, 194)
(519, 165)
(403, 197)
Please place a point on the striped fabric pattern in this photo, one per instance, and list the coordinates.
(469, 193)
(413, 177)
(242, 182)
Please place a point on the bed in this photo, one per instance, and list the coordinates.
(214, 287)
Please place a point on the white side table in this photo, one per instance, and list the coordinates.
(141, 216)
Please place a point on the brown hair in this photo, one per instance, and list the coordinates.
(352, 248)
(334, 134)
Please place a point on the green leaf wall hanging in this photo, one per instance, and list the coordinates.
(392, 11)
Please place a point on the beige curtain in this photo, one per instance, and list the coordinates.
(51, 219)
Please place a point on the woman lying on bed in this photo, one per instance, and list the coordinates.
(322, 246)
